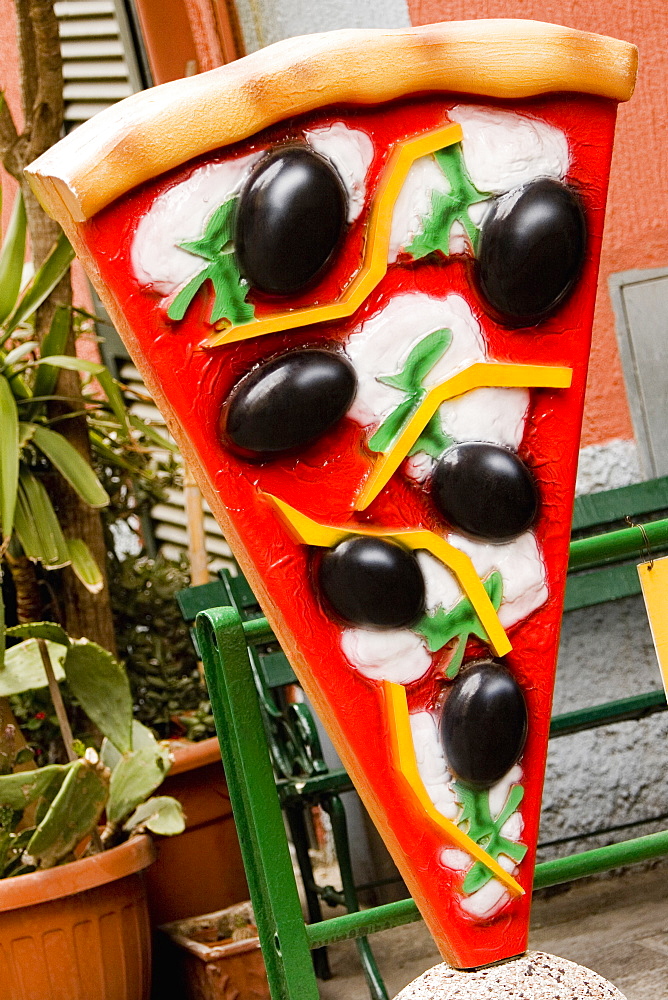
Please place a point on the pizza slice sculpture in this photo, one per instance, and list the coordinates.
(357, 272)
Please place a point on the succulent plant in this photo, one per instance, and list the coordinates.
(63, 803)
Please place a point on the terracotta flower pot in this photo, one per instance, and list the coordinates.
(208, 968)
(200, 870)
(79, 931)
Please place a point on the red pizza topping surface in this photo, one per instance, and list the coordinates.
(370, 327)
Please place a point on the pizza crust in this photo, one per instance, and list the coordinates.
(164, 127)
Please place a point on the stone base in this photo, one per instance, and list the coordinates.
(534, 976)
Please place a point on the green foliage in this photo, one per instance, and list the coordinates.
(34, 450)
(159, 814)
(217, 248)
(11, 259)
(168, 691)
(446, 209)
(24, 669)
(69, 799)
(72, 814)
(462, 621)
(419, 363)
(134, 778)
(476, 820)
(101, 686)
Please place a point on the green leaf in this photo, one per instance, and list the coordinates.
(19, 352)
(18, 790)
(448, 208)
(44, 281)
(26, 432)
(433, 440)
(142, 739)
(3, 633)
(218, 235)
(134, 778)
(230, 293)
(455, 663)
(100, 684)
(442, 626)
(106, 453)
(477, 820)
(37, 525)
(216, 246)
(84, 565)
(71, 465)
(12, 258)
(152, 434)
(71, 364)
(515, 797)
(40, 630)
(478, 876)
(24, 669)
(394, 423)
(54, 342)
(73, 814)
(420, 361)
(9, 458)
(161, 814)
(113, 393)
(179, 305)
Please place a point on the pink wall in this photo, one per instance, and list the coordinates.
(637, 219)
(9, 85)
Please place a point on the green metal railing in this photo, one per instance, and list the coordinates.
(286, 941)
(367, 922)
(612, 546)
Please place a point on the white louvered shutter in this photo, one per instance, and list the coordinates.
(169, 519)
(99, 66)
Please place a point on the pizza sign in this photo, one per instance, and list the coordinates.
(357, 271)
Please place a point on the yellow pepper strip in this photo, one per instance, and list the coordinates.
(310, 532)
(477, 376)
(376, 247)
(403, 752)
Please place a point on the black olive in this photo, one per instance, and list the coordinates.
(290, 219)
(485, 490)
(289, 402)
(532, 249)
(372, 582)
(484, 724)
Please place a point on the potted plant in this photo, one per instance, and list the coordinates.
(170, 697)
(73, 906)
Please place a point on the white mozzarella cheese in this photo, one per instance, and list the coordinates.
(431, 764)
(519, 562)
(503, 149)
(413, 204)
(489, 900)
(351, 151)
(522, 570)
(382, 344)
(488, 414)
(181, 214)
(396, 655)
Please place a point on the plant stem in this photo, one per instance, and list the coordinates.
(57, 700)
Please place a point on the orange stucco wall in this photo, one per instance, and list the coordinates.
(636, 233)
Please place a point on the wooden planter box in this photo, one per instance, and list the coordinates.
(212, 968)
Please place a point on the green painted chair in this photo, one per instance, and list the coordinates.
(232, 641)
(303, 778)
